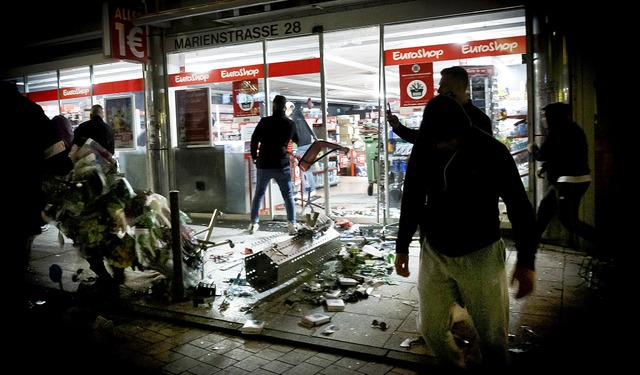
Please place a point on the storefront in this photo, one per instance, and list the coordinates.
(238, 79)
(340, 74)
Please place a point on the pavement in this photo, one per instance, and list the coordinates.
(564, 322)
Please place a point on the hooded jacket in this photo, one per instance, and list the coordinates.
(565, 151)
(452, 196)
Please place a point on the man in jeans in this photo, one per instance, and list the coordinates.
(269, 144)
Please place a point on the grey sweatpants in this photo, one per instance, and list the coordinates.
(477, 282)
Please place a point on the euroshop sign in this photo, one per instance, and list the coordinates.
(247, 72)
(443, 52)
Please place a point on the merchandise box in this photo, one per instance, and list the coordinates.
(316, 319)
(347, 281)
(335, 304)
(332, 294)
(252, 327)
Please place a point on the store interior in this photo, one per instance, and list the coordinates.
(352, 84)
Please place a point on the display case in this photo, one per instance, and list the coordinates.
(317, 169)
(481, 86)
(398, 156)
(512, 131)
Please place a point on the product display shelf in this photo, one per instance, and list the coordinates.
(512, 131)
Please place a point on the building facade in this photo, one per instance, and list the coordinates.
(184, 83)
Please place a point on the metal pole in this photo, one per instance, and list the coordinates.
(176, 247)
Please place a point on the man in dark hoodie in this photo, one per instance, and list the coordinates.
(455, 176)
(564, 154)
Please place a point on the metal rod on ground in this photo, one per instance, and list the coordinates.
(176, 241)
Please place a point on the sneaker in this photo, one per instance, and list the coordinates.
(253, 227)
(292, 229)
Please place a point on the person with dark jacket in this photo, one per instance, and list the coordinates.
(455, 177)
(96, 129)
(269, 144)
(454, 83)
(42, 153)
(564, 154)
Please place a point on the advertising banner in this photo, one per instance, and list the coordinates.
(194, 117)
(119, 114)
(122, 39)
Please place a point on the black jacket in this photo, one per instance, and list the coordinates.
(453, 198)
(564, 152)
(43, 154)
(478, 118)
(270, 140)
(98, 130)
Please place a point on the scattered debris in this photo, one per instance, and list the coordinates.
(382, 325)
(253, 327)
(527, 341)
(330, 329)
(412, 341)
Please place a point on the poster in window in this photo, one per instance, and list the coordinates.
(244, 103)
(193, 117)
(416, 84)
(119, 114)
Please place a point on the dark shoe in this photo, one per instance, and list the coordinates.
(118, 275)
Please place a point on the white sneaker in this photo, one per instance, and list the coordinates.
(292, 229)
(253, 227)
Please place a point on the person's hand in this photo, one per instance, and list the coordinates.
(402, 264)
(393, 120)
(532, 147)
(526, 279)
(540, 172)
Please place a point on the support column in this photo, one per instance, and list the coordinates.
(159, 159)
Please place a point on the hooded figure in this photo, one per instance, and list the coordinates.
(455, 177)
(64, 128)
(564, 151)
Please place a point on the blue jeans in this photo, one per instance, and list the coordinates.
(283, 179)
